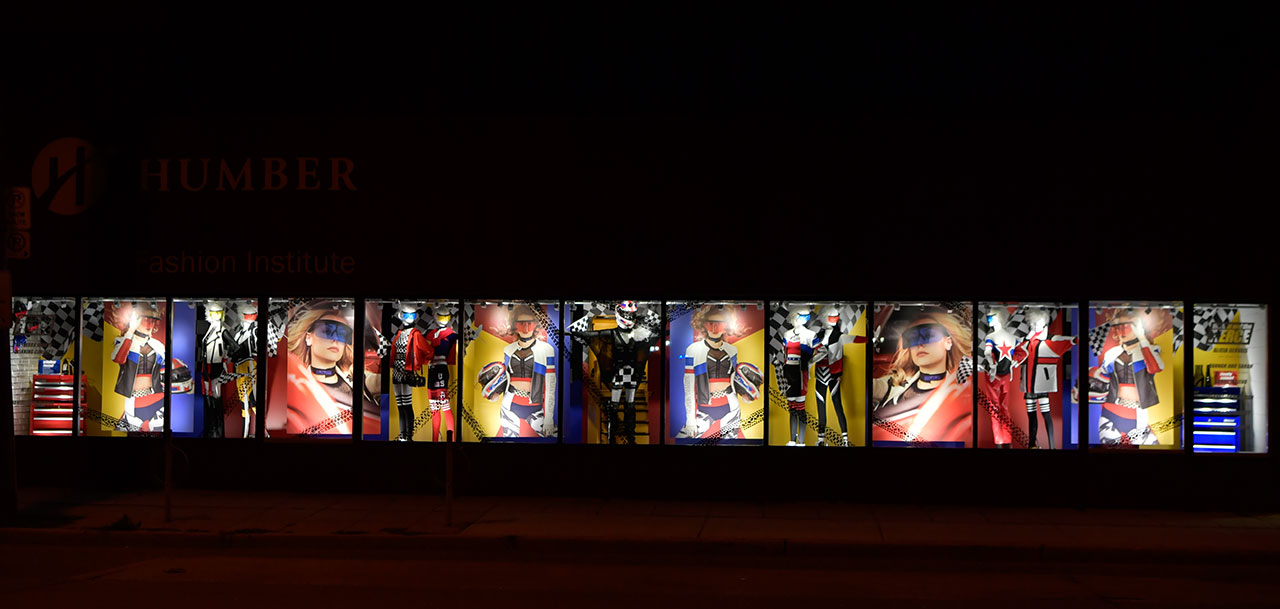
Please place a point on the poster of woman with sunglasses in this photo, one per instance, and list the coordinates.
(317, 381)
(720, 349)
(921, 388)
(513, 397)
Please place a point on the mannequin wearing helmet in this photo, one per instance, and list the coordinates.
(623, 351)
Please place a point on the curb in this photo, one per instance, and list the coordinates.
(457, 545)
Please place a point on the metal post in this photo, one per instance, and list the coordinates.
(168, 411)
(560, 376)
(869, 370)
(1082, 377)
(1188, 378)
(448, 479)
(260, 383)
(357, 379)
(973, 391)
(662, 374)
(77, 376)
(766, 397)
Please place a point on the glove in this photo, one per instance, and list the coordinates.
(494, 379)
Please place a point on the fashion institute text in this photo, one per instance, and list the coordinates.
(298, 261)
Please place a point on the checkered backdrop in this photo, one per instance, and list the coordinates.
(780, 312)
(1018, 325)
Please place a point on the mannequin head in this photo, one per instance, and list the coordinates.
(214, 312)
(830, 316)
(625, 313)
(248, 310)
(443, 314)
(1039, 320)
(407, 313)
(998, 318)
(800, 315)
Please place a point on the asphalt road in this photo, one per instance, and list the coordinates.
(64, 575)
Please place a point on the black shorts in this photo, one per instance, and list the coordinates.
(438, 376)
(405, 377)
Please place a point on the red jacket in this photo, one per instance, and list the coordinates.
(418, 351)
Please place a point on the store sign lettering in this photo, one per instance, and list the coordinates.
(1234, 334)
(67, 175)
(247, 175)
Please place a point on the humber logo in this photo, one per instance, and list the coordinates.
(68, 176)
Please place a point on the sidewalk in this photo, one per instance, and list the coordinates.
(630, 526)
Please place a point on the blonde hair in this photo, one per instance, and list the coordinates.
(300, 323)
(961, 347)
(700, 317)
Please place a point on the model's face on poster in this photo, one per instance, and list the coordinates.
(526, 327)
(716, 325)
(928, 344)
(327, 340)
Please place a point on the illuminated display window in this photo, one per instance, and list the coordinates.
(817, 373)
(511, 362)
(1135, 375)
(1027, 358)
(412, 368)
(123, 343)
(42, 366)
(715, 384)
(613, 365)
(922, 375)
(1229, 403)
(312, 389)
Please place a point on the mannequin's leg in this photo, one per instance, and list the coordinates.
(1043, 402)
(1033, 427)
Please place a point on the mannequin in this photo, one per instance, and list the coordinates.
(998, 350)
(800, 346)
(1040, 357)
(623, 351)
(443, 342)
(828, 368)
(215, 362)
(245, 356)
(410, 353)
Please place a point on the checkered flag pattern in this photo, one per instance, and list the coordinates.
(93, 310)
(964, 370)
(384, 345)
(277, 317)
(583, 323)
(1097, 337)
(227, 377)
(61, 327)
(470, 330)
(850, 315)
(1209, 326)
(1177, 329)
(777, 327)
(651, 320)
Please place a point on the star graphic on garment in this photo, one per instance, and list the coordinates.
(1005, 350)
